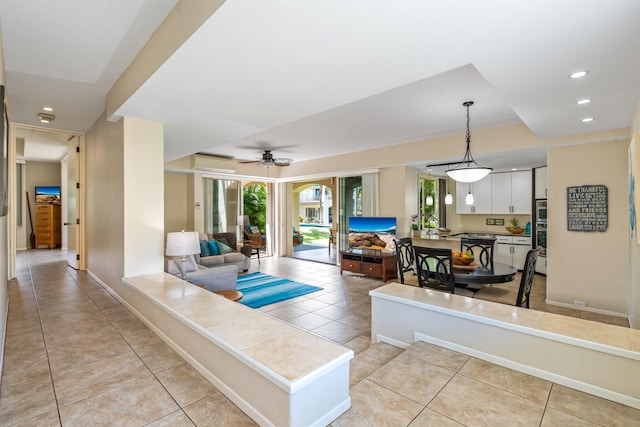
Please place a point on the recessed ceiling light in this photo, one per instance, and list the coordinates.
(583, 101)
(587, 119)
(47, 109)
(578, 74)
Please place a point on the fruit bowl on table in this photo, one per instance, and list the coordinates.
(460, 260)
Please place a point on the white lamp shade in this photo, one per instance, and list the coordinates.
(429, 200)
(448, 199)
(469, 199)
(468, 174)
(182, 243)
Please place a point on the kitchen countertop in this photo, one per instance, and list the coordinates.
(456, 236)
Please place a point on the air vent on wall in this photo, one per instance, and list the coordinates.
(212, 164)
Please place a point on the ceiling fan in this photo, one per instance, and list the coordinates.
(268, 160)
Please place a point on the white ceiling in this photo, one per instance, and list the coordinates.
(320, 78)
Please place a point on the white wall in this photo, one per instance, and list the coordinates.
(582, 266)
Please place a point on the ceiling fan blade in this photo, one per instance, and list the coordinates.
(282, 162)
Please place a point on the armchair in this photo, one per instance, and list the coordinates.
(298, 237)
(254, 239)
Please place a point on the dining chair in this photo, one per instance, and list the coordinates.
(404, 256)
(434, 270)
(526, 281)
(481, 248)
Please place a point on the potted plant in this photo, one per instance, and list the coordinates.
(414, 223)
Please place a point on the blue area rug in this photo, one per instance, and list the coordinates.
(260, 289)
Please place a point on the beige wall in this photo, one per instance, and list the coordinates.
(634, 247)
(398, 187)
(4, 300)
(41, 173)
(143, 197)
(105, 201)
(176, 194)
(589, 267)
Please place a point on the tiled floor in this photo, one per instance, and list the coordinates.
(75, 356)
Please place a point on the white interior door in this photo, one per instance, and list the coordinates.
(72, 202)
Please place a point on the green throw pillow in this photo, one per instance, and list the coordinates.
(213, 247)
(223, 246)
(205, 250)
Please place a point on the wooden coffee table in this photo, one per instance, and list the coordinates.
(229, 294)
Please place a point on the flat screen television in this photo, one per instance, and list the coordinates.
(48, 194)
(367, 232)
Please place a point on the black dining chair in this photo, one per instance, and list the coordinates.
(505, 294)
(434, 270)
(526, 281)
(481, 248)
(405, 256)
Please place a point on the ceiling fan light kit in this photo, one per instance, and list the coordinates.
(468, 170)
(268, 160)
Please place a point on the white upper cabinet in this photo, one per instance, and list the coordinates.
(511, 192)
(481, 191)
(541, 183)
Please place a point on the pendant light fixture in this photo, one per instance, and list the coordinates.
(469, 199)
(448, 199)
(429, 200)
(468, 170)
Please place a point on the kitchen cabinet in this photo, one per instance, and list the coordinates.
(511, 193)
(540, 183)
(512, 250)
(481, 191)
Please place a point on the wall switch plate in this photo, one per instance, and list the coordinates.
(579, 304)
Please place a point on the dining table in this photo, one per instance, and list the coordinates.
(476, 274)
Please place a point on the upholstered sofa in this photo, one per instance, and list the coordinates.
(224, 277)
(240, 256)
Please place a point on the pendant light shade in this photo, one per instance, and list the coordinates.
(429, 199)
(468, 170)
(448, 199)
(469, 199)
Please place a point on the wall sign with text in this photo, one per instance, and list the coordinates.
(588, 208)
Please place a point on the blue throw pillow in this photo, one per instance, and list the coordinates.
(224, 247)
(213, 247)
(204, 248)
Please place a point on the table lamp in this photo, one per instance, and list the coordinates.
(182, 243)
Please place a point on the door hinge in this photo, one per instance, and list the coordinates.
(77, 185)
(77, 221)
(77, 257)
(77, 148)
